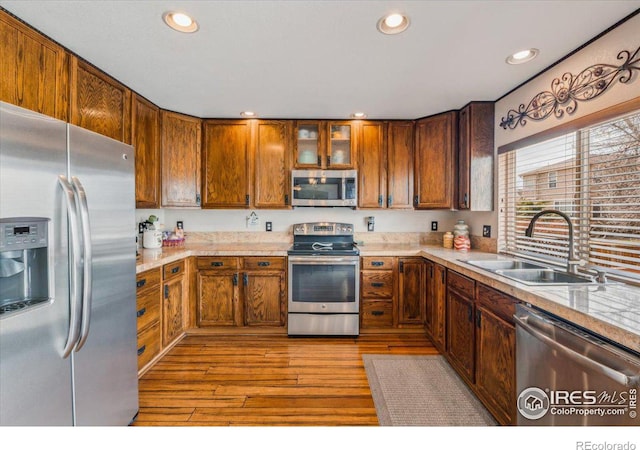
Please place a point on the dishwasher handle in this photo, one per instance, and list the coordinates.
(619, 377)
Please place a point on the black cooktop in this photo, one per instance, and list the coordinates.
(322, 249)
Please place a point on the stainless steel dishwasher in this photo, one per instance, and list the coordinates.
(566, 376)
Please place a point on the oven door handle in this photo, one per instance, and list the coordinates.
(323, 260)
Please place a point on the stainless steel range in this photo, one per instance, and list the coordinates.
(324, 280)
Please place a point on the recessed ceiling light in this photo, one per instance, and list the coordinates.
(248, 114)
(180, 22)
(358, 115)
(523, 56)
(393, 23)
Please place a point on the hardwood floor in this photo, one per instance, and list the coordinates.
(266, 380)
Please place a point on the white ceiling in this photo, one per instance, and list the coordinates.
(320, 59)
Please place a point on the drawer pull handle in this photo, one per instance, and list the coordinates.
(377, 284)
(217, 264)
(141, 283)
(377, 313)
(377, 263)
(141, 350)
(264, 263)
(141, 312)
(175, 269)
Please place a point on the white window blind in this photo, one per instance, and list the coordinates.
(596, 182)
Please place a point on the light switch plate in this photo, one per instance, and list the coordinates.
(486, 231)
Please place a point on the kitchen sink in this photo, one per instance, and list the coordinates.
(504, 264)
(533, 274)
(545, 277)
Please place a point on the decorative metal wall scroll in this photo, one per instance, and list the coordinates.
(568, 90)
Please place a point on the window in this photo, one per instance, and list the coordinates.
(592, 175)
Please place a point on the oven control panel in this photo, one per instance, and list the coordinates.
(323, 229)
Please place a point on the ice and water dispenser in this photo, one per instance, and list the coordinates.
(24, 263)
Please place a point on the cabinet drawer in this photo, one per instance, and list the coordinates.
(217, 263)
(498, 303)
(377, 263)
(266, 263)
(148, 309)
(173, 269)
(460, 283)
(148, 281)
(148, 344)
(377, 314)
(377, 284)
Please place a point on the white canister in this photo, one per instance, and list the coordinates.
(460, 229)
(152, 239)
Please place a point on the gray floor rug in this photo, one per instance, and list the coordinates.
(421, 391)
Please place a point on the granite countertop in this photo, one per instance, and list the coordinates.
(611, 310)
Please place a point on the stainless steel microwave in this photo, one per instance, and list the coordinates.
(324, 188)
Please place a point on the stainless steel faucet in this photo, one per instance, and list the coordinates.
(572, 260)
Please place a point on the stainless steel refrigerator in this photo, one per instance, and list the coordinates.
(68, 353)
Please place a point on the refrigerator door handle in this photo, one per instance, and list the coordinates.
(86, 264)
(74, 237)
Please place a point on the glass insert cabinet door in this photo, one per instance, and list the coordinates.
(324, 144)
(340, 145)
(308, 139)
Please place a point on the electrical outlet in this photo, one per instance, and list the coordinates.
(434, 226)
(486, 231)
(268, 226)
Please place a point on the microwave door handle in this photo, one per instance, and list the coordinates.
(74, 292)
(87, 264)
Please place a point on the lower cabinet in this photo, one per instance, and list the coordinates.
(460, 324)
(411, 291)
(481, 343)
(173, 304)
(148, 303)
(162, 302)
(377, 292)
(436, 290)
(235, 291)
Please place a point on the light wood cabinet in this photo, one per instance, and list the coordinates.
(476, 156)
(324, 144)
(377, 292)
(264, 291)
(98, 102)
(271, 162)
(181, 143)
(435, 161)
(174, 298)
(239, 292)
(145, 137)
(411, 291)
(34, 71)
(225, 164)
(148, 312)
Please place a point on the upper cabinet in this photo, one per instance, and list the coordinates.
(372, 165)
(145, 124)
(436, 161)
(400, 165)
(475, 157)
(325, 144)
(271, 162)
(99, 103)
(34, 71)
(181, 142)
(225, 164)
